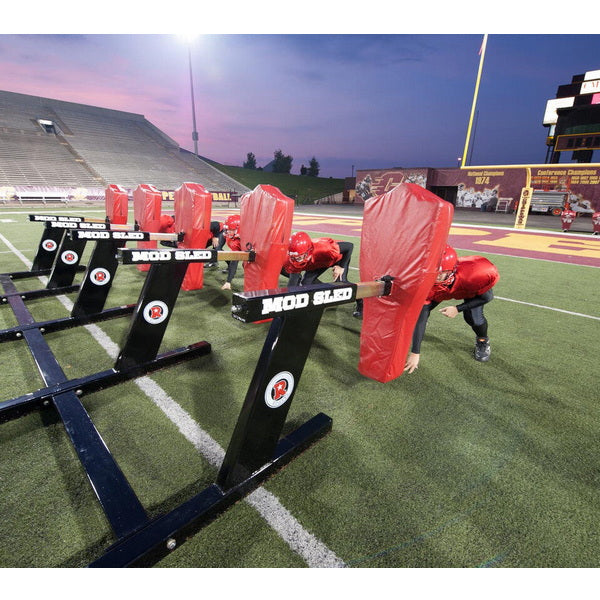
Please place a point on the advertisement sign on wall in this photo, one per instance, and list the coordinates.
(478, 187)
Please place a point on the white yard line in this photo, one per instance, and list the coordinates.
(312, 550)
(567, 312)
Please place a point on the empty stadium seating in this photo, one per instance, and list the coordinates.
(91, 147)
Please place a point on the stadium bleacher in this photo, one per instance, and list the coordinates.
(46, 143)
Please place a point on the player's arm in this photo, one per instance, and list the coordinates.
(469, 303)
(232, 266)
(414, 356)
(341, 266)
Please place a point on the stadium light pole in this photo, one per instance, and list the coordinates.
(194, 131)
(482, 56)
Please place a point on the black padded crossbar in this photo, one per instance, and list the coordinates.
(250, 307)
(130, 256)
(94, 225)
(71, 222)
(55, 218)
(126, 236)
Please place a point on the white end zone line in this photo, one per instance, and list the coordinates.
(312, 550)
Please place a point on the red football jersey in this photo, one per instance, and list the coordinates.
(474, 275)
(326, 252)
(235, 243)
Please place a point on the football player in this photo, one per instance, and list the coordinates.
(231, 232)
(217, 239)
(469, 279)
(315, 256)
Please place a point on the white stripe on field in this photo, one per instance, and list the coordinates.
(313, 551)
(568, 312)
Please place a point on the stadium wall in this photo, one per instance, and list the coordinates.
(45, 194)
(477, 185)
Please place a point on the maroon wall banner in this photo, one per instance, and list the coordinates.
(376, 182)
(475, 186)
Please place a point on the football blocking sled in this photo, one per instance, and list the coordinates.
(403, 235)
(296, 313)
(265, 226)
(147, 205)
(141, 540)
(58, 256)
(116, 205)
(255, 450)
(193, 204)
(402, 267)
(116, 202)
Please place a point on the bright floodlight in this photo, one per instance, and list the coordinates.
(188, 38)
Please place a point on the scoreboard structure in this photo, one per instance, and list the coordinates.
(573, 119)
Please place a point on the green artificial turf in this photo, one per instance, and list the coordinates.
(460, 464)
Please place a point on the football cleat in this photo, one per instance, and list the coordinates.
(482, 349)
(358, 311)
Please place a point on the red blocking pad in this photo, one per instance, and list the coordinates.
(147, 203)
(116, 202)
(404, 233)
(266, 216)
(193, 205)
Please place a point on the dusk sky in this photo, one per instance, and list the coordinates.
(368, 101)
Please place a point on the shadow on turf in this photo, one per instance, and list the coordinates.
(97, 548)
(84, 506)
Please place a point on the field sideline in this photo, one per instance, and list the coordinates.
(460, 465)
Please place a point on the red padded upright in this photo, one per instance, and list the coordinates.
(116, 203)
(193, 205)
(266, 224)
(403, 235)
(147, 203)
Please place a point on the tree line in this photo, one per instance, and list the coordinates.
(283, 164)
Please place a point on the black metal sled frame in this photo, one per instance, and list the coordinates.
(142, 541)
(138, 356)
(48, 245)
(89, 305)
(256, 449)
(66, 263)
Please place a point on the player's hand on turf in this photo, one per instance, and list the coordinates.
(449, 311)
(337, 272)
(412, 362)
(226, 286)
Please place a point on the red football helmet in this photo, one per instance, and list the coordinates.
(447, 264)
(166, 224)
(300, 248)
(231, 226)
